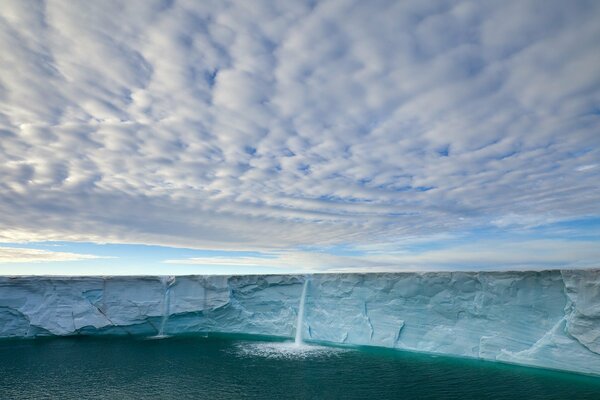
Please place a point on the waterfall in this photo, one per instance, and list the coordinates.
(300, 321)
(167, 281)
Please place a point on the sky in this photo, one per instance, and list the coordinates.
(186, 137)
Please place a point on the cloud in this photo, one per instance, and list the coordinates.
(275, 125)
(586, 167)
(25, 255)
(481, 255)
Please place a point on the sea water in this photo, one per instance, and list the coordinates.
(237, 368)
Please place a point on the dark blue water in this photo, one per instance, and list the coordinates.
(228, 368)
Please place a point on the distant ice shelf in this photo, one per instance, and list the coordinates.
(548, 319)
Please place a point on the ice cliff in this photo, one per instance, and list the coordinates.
(549, 319)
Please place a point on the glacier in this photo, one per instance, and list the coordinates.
(548, 319)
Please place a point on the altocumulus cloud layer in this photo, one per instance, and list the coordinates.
(271, 125)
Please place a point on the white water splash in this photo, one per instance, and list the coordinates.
(300, 321)
(285, 350)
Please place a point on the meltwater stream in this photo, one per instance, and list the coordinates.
(167, 282)
(300, 320)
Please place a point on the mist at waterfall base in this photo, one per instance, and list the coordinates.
(219, 367)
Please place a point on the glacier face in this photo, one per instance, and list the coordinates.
(549, 319)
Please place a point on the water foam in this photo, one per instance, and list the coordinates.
(285, 350)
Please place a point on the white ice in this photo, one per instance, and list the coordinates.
(549, 319)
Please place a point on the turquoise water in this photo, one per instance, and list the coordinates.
(236, 368)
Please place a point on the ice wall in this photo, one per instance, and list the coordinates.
(549, 319)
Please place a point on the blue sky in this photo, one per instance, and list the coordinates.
(180, 137)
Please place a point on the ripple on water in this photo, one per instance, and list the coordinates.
(157, 337)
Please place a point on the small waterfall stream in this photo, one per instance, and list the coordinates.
(167, 281)
(300, 321)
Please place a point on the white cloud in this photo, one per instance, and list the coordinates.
(586, 167)
(273, 125)
(480, 255)
(25, 255)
